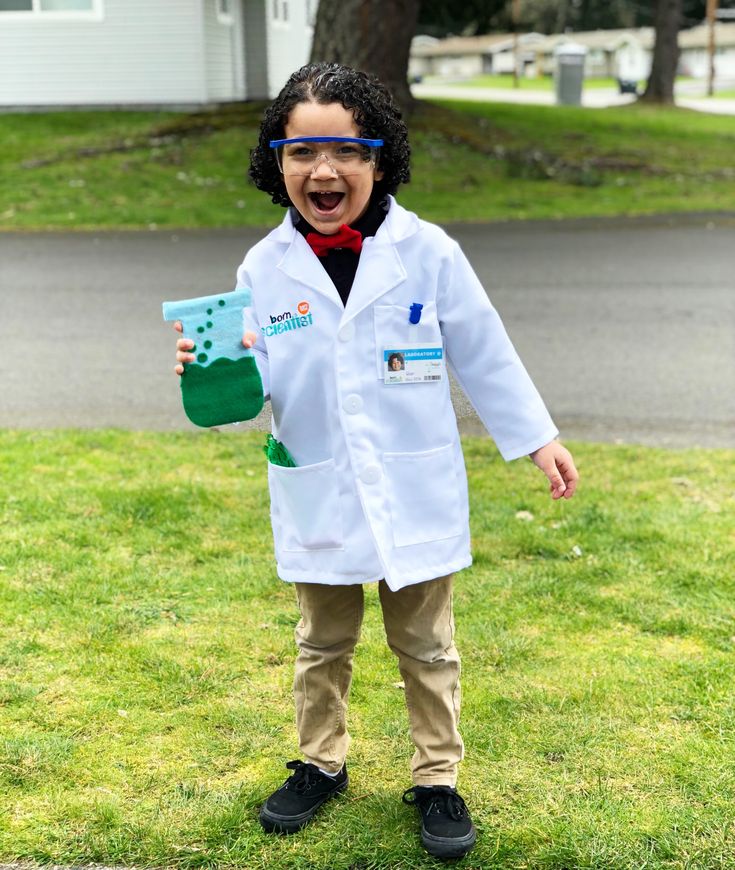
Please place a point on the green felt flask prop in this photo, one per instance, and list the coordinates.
(223, 385)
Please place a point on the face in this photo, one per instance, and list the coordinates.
(327, 200)
(395, 364)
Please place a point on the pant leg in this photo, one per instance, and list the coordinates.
(331, 617)
(419, 626)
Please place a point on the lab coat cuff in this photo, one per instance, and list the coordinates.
(515, 452)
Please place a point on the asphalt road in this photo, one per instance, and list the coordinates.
(625, 326)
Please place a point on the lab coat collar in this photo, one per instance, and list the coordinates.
(300, 263)
(380, 268)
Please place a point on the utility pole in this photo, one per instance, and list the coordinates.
(711, 19)
(516, 16)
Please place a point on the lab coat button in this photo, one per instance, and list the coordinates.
(347, 333)
(371, 474)
(352, 404)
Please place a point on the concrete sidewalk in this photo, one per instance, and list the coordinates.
(592, 98)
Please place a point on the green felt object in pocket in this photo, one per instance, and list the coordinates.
(277, 453)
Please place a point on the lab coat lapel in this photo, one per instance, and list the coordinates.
(381, 268)
(301, 264)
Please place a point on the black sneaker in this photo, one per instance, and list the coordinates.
(446, 827)
(297, 801)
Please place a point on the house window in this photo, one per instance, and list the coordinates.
(58, 7)
(66, 5)
(224, 11)
(280, 10)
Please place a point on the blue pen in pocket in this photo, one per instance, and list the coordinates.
(414, 314)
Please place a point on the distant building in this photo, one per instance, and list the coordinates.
(617, 54)
(694, 58)
(624, 54)
(149, 52)
(456, 56)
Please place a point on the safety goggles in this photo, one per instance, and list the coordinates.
(345, 155)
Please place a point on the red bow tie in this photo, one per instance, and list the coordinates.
(343, 238)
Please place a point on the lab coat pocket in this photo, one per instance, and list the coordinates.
(307, 507)
(423, 490)
(393, 329)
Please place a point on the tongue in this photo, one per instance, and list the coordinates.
(327, 201)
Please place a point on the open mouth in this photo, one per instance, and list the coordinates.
(326, 201)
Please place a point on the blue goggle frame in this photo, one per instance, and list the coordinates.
(370, 143)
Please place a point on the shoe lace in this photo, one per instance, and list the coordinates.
(439, 799)
(303, 777)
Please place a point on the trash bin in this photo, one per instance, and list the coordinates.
(569, 73)
(626, 86)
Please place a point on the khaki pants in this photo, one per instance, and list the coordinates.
(419, 626)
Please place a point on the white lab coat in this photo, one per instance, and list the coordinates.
(380, 489)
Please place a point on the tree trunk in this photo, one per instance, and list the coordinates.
(370, 35)
(667, 20)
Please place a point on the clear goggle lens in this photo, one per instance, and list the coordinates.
(345, 156)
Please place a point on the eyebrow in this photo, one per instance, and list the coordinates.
(371, 143)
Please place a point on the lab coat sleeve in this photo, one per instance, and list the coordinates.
(487, 366)
(250, 323)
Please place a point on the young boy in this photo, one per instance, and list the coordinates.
(347, 283)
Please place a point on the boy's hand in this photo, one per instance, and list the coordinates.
(557, 464)
(184, 346)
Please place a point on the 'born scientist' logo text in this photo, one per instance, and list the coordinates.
(287, 322)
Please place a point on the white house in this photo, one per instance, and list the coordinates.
(180, 53)
(623, 54)
(694, 57)
(460, 56)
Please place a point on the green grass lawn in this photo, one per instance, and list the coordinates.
(543, 83)
(471, 161)
(146, 658)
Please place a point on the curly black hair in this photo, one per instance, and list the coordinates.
(376, 115)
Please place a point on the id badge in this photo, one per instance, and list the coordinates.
(413, 363)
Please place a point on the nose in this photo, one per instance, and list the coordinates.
(322, 168)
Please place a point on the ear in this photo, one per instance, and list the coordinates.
(378, 174)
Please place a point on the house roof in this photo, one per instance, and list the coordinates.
(607, 40)
(698, 37)
(455, 45)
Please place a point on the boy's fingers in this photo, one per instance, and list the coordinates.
(570, 475)
(249, 339)
(179, 326)
(571, 486)
(179, 369)
(558, 487)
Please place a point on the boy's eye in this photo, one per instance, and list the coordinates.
(301, 151)
(352, 153)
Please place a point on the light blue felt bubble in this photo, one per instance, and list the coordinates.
(226, 319)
